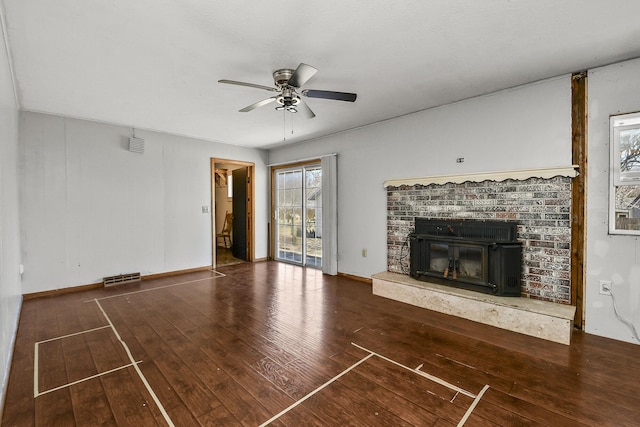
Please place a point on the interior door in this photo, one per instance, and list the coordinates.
(240, 179)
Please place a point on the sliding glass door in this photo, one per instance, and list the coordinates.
(298, 215)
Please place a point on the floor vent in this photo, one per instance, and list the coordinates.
(121, 279)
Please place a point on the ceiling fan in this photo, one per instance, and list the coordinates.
(287, 83)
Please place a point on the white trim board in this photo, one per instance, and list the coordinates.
(522, 174)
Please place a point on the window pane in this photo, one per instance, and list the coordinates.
(624, 189)
(630, 150)
(627, 207)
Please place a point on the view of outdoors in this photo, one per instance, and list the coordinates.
(627, 197)
(298, 204)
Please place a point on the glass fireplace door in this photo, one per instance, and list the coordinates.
(470, 263)
(439, 257)
(454, 261)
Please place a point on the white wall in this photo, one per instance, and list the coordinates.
(521, 128)
(90, 208)
(612, 90)
(10, 285)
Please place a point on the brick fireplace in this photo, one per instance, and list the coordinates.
(538, 201)
(541, 207)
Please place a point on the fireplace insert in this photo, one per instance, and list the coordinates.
(483, 256)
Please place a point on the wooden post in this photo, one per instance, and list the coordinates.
(578, 191)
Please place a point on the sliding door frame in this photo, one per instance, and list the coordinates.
(272, 208)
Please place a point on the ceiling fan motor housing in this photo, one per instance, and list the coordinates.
(281, 77)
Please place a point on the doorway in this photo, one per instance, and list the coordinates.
(232, 219)
(297, 214)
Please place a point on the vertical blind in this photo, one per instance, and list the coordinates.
(329, 214)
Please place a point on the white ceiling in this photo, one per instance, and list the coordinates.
(154, 64)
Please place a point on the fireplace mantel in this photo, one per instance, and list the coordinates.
(522, 174)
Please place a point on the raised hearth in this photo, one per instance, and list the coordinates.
(541, 319)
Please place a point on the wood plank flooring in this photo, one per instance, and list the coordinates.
(274, 342)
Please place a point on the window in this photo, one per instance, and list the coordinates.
(624, 194)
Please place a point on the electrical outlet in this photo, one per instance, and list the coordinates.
(605, 287)
(364, 252)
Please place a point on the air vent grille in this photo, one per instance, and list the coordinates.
(121, 279)
(136, 145)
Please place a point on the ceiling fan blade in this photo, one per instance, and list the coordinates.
(304, 109)
(233, 82)
(328, 94)
(258, 104)
(300, 76)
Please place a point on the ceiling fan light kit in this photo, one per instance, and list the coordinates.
(287, 81)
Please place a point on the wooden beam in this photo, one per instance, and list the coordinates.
(578, 192)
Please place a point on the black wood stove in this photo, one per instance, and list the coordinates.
(483, 256)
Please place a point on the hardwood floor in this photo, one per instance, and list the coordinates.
(224, 256)
(274, 342)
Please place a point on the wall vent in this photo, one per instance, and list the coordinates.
(136, 145)
(121, 279)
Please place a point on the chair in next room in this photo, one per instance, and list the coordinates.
(225, 233)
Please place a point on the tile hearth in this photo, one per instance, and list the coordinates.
(542, 319)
